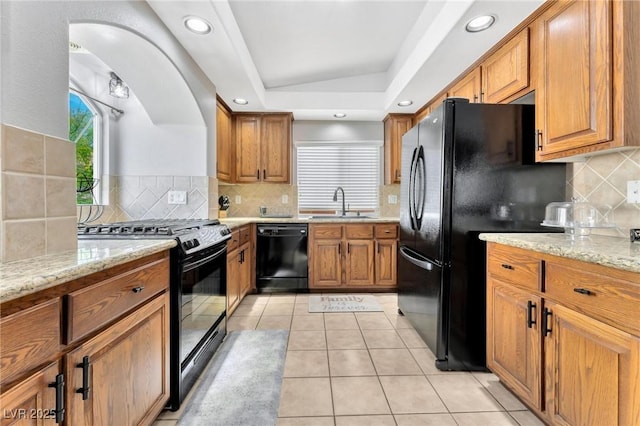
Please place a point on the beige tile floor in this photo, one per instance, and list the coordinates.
(369, 368)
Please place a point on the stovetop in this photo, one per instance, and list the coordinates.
(192, 234)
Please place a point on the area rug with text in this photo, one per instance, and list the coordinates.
(344, 303)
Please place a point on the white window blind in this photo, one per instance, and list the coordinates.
(321, 168)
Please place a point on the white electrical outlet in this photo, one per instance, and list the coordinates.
(633, 191)
(238, 199)
(285, 199)
(392, 198)
(177, 197)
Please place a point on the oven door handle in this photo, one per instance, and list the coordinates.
(187, 266)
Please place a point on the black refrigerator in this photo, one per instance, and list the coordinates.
(466, 169)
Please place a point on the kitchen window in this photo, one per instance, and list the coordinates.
(324, 166)
(84, 131)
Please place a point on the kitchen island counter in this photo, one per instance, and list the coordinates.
(24, 277)
(613, 252)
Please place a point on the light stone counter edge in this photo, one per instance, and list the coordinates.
(28, 276)
(613, 252)
(236, 222)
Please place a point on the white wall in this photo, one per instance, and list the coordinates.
(338, 131)
(35, 75)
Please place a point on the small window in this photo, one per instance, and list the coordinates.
(323, 167)
(84, 131)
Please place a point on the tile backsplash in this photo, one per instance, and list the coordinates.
(38, 199)
(252, 196)
(146, 197)
(602, 180)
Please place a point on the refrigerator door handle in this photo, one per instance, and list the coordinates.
(412, 182)
(404, 252)
(421, 177)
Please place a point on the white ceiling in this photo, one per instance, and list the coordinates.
(316, 58)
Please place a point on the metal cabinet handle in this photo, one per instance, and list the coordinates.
(583, 291)
(530, 317)
(264, 174)
(59, 386)
(507, 266)
(339, 248)
(546, 313)
(348, 247)
(84, 390)
(258, 174)
(138, 289)
(539, 139)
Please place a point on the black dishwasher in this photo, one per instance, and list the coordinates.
(281, 257)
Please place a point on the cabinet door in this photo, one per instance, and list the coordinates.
(225, 148)
(245, 270)
(234, 271)
(275, 141)
(513, 339)
(359, 263)
(506, 72)
(469, 87)
(592, 371)
(386, 262)
(126, 370)
(395, 125)
(574, 97)
(32, 401)
(248, 149)
(326, 263)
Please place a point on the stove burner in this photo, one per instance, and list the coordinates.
(192, 234)
(162, 227)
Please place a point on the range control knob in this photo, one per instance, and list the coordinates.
(189, 244)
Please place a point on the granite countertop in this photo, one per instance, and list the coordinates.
(613, 252)
(28, 276)
(234, 222)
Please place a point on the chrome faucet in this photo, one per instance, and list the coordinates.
(335, 198)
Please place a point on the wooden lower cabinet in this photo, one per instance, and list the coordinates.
(326, 264)
(32, 401)
(358, 256)
(115, 373)
(592, 371)
(125, 369)
(513, 339)
(565, 348)
(386, 262)
(239, 261)
(359, 263)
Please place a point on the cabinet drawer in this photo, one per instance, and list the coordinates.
(610, 299)
(29, 338)
(326, 232)
(245, 234)
(386, 231)
(357, 232)
(513, 265)
(101, 303)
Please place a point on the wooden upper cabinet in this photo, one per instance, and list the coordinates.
(248, 148)
(469, 87)
(506, 72)
(225, 149)
(395, 125)
(588, 84)
(263, 145)
(275, 146)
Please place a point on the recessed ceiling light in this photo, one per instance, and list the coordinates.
(197, 25)
(480, 23)
(405, 103)
(339, 115)
(240, 101)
